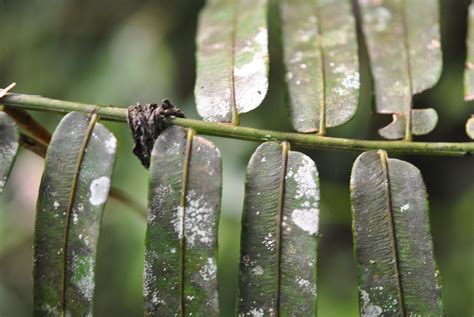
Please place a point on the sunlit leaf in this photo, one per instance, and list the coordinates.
(320, 46)
(8, 147)
(470, 127)
(183, 213)
(279, 234)
(394, 251)
(469, 72)
(403, 41)
(232, 58)
(73, 192)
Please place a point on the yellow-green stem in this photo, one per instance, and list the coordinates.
(34, 102)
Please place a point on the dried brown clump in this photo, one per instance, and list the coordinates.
(146, 123)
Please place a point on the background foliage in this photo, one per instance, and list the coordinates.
(124, 51)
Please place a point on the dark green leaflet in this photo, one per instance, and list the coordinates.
(232, 58)
(8, 147)
(279, 234)
(320, 46)
(405, 55)
(183, 214)
(394, 251)
(72, 196)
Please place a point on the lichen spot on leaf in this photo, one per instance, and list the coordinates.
(99, 190)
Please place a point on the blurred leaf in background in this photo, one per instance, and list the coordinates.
(125, 51)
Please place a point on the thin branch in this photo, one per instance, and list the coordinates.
(29, 125)
(4, 91)
(122, 197)
(33, 145)
(34, 102)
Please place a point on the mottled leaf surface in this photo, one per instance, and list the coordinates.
(320, 50)
(469, 72)
(279, 234)
(403, 41)
(73, 192)
(183, 214)
(8, 147)
(394, 251)
(470, 127)
(232, 58)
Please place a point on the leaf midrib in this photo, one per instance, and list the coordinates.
(408, 133)
(322, 71)
(281, 203)
(392, 229)
(233, 103)
(182, 241)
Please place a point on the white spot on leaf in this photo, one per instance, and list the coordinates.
(369, 309)
(199, 220)
(306, 219)
(257, 270)
(250, 74)
(83, 274)
(254, 312)
(99, 190)
(111, 145)
(209, 270)
(269, 242)
(178, 221)
(307, 285)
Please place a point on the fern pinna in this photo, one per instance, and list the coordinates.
(320, 44)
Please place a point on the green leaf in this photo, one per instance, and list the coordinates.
(183, 214)
(232, 58)
(73, 192)
(469, 71)
(403, 41)
(470, 127)
(320, 48)
(279, 234)
(9, 136)
(393, 247)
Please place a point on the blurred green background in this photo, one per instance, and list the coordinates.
(123, 51)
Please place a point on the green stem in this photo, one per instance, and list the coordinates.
(33, 102)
